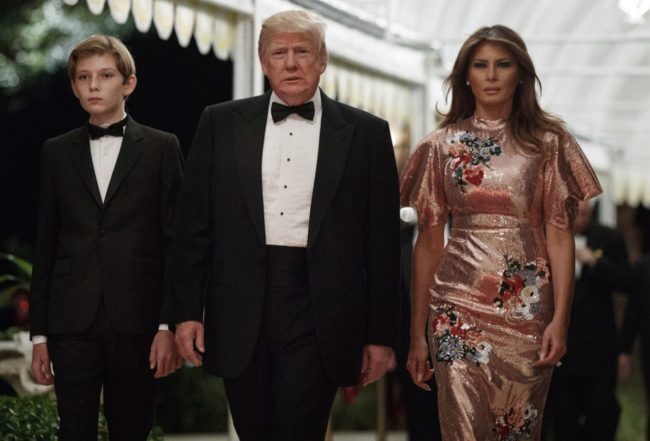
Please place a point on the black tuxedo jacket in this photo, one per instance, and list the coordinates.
(86, 249)
(593, 336)
(353, 240)
(637, 310)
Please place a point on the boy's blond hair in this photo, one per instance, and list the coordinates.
(100, 45)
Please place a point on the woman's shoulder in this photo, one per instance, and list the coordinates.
(558, 142)
(441, 136)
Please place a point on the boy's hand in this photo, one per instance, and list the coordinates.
(41, 368)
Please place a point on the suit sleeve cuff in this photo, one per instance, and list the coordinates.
(38, 339)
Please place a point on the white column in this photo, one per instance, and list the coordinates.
(259, 16)
(243, 57)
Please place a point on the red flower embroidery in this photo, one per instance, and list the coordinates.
(468, 156)
(473, 175)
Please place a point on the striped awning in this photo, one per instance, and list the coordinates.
(212, 25)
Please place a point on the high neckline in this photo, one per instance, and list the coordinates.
(486, 123)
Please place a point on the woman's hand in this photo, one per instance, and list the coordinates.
(418, 363)
(553, 344)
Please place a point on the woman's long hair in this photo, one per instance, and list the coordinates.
(527, 121)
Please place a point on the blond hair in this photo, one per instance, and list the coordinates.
(100, 45)
(293, 21)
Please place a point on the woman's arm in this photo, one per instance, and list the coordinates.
(560, 248)
(426, 256)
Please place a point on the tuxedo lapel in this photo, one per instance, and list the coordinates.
(334, 144)
(249, 128)
(129, 153)
(84, 163)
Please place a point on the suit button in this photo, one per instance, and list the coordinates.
(102, 231)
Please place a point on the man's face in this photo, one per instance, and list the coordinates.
(101, 88)
(293, 64)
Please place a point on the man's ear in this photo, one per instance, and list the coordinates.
(263, 64)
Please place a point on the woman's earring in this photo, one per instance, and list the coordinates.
(467, 83)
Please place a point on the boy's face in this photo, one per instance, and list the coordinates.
(101, 88)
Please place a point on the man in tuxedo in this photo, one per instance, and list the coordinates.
(287, 243)
(582, 398)
(99, 307)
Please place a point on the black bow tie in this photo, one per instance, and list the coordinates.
(116, 129)
(280, 111)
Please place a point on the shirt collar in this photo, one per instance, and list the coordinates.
(316, 100)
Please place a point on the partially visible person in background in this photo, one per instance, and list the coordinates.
(497, 297)
(636, 323)
(583, 391)
(420, 406)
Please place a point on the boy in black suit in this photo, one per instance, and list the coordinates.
(99, 307)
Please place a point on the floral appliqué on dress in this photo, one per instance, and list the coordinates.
(520, 287)
(468, 156)
(515, 424)
(457, 340)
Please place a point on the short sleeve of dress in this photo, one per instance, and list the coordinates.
(421, 184)
(568, 179)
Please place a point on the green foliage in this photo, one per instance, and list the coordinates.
(361, 414)
(35, 419)
(20, 278)
(32, 418)
(8, 334)
(36, 37)
(631, 397)
(191, 401)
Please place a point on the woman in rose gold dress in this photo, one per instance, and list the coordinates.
(495, 300)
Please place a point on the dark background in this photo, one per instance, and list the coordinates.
(174, 85)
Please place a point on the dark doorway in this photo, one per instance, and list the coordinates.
(174, 85)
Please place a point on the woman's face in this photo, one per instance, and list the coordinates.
(493, 76)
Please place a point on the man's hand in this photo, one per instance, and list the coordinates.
(164, 356)
(41, 369)
(374, 363)
(587, 256)
(188, 335)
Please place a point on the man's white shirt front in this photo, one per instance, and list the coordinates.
(289, 158)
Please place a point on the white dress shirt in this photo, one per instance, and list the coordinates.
(104, 152)
(288, 169)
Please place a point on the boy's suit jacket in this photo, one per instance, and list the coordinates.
(87, 249)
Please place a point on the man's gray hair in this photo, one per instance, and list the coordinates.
(293, 21)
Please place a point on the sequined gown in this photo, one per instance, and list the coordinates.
(492, 294)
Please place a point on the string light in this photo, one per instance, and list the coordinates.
(634, 9)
